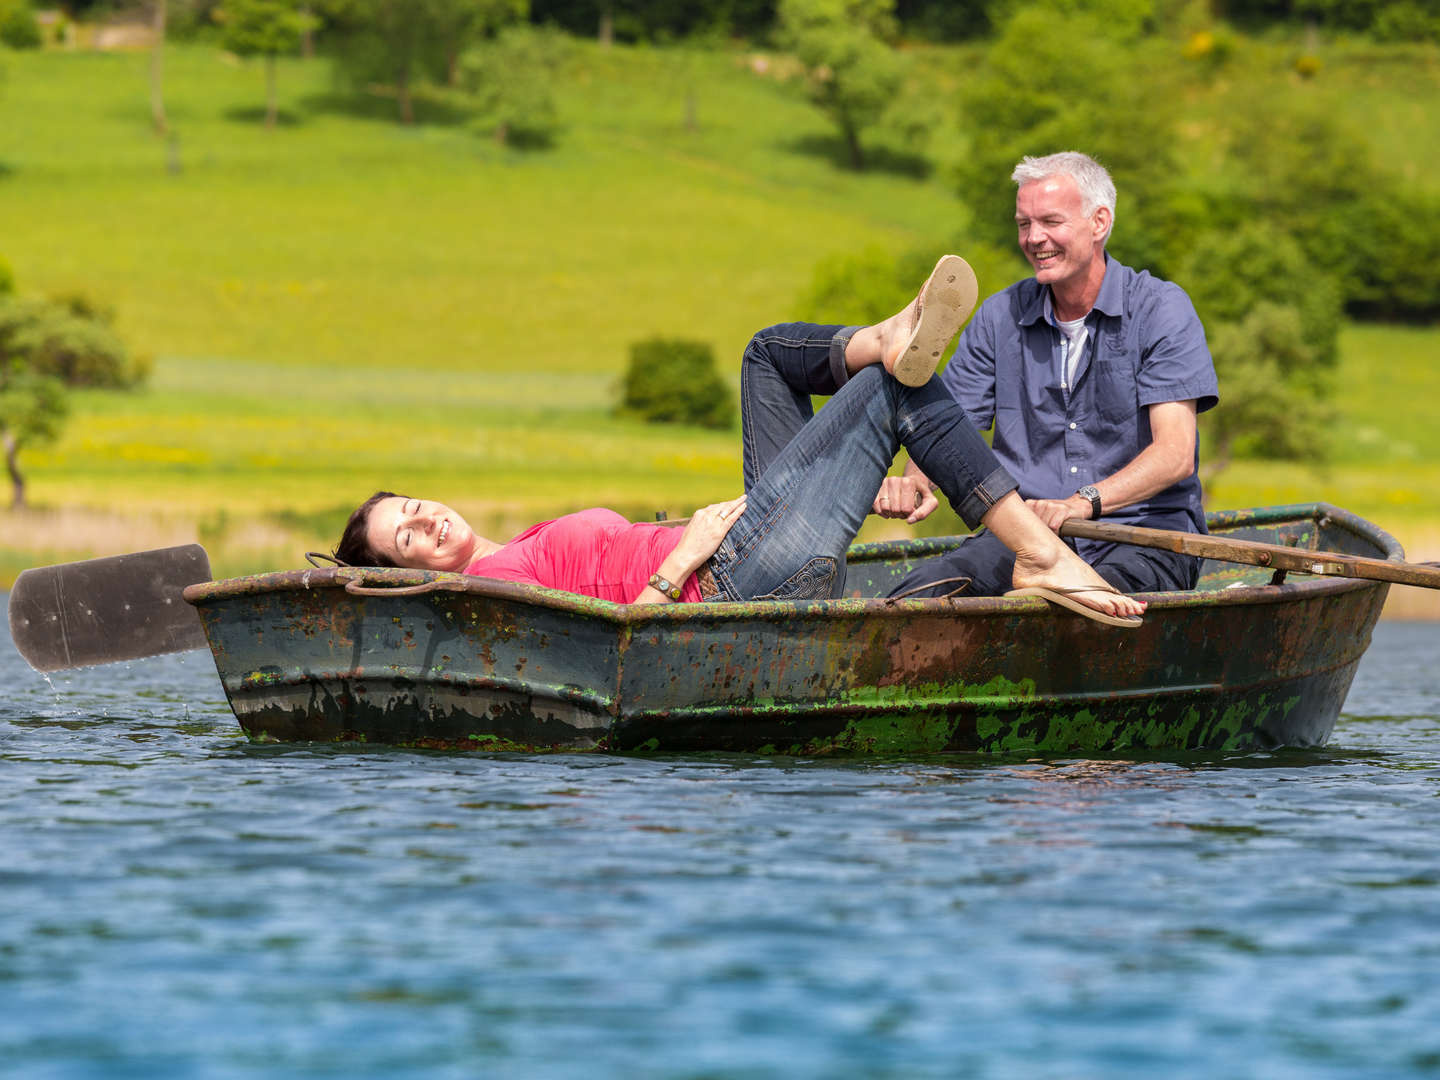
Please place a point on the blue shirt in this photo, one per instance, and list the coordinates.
(1146, 346)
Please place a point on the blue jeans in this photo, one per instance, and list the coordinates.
(811, 479)
(989, 565)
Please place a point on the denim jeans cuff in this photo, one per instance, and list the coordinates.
(977, 503)
(837, 355)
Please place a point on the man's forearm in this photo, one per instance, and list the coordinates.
(1149, 473)
(913, 472)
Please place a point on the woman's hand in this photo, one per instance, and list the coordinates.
(702, 535)
(701, 539)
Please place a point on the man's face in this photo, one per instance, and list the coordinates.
(1060, 241)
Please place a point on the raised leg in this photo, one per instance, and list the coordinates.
(782, 368)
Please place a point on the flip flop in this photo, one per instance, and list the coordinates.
(1062, 596)
(945, 302)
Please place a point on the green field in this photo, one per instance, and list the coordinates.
(343, 303)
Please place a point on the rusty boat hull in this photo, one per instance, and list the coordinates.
(427, 659)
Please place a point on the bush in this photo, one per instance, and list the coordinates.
(18, 26)
(1403, 22)
(1231, 272)
(674, 381)
(1303, 172)
(1273, 322)
(7, 278)
(1275, 397)
(872, 284)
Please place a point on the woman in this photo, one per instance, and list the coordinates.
(786, 537)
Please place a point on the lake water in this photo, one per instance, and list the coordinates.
(175, 902)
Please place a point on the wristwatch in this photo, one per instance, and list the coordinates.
(1091, 492)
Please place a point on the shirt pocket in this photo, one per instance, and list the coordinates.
(1117, 391)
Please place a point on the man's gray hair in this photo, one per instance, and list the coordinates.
(1096, 187)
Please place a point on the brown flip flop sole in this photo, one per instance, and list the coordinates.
(1065, 600)
(946, 302)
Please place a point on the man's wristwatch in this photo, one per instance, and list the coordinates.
(1091, 492)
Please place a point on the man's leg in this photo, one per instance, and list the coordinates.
(987, 562)
(802, 515)
(1135, 569)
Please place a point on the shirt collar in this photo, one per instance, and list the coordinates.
(1111, 300)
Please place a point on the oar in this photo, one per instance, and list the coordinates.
(1274, 556)
(102, 610)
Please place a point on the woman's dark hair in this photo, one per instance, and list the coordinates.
(354, 548)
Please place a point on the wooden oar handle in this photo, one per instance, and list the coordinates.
(1275, 556)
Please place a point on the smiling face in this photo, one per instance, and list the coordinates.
(420, 534)
(1065, 245)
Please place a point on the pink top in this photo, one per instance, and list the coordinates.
(595, 553)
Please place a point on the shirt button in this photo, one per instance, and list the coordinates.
(1074, 468)
(1072, 427)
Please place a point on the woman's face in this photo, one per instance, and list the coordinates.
(420, 534)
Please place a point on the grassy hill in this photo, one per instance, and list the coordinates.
(344, 303)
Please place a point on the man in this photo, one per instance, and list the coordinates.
(1092, 375)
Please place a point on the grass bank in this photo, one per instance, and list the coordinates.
(343, 304)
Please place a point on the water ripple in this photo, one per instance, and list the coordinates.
(177, 902)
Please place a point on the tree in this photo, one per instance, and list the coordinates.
(47, 347)
(1072, 82)
(265, 28)
(404, 42)
(511, 80)
(463, 23)
(851, 70)
(655, 20)
(157, 70)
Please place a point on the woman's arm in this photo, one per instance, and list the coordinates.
(701, 538)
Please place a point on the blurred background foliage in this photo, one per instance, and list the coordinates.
(414, 242)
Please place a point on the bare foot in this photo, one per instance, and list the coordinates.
(1071, 578)
(913, 340)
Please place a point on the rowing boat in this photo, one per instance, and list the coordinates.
(1252, 658)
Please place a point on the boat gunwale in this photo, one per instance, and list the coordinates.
(446, 583)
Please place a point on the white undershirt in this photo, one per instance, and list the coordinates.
(1076, 333)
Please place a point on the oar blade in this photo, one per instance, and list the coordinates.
(100, 611)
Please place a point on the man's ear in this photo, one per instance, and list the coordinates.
(1101, 220)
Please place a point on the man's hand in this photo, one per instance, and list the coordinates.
(907, 497)
(1055, 512)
